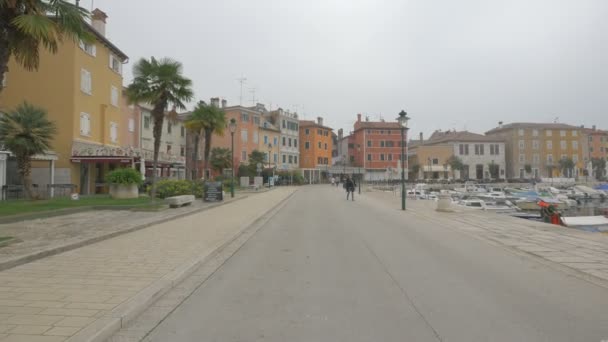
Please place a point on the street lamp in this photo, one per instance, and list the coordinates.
(269, 166)
(232, 128)
(403, 119)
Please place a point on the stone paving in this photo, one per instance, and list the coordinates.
(582, 251)
(56, 297)
(43, 234)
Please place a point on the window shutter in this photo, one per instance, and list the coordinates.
(81, 44)
(131, 125)
(93, 50)
(88, 124)
(113, 131)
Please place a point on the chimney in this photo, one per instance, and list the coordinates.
(593, 127)
(359, 117)
(340, 134)
(224, 103)
(320, 121)
(421, 137)
(499, 124)
(98, 20)
(215, 101)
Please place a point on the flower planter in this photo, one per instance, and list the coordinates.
(121, 191)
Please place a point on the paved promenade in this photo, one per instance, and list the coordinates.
(582, 251)
(54, 298)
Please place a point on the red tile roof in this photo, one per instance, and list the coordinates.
(550, 125)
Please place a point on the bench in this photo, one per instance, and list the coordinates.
(179, 201)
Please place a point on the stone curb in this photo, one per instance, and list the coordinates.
(104, 327)
(5, 265)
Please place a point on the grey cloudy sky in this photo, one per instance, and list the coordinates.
(449, 64)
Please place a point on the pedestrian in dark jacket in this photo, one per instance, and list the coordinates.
(350, 188)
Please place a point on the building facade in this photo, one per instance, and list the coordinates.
(288, 123)
(538, 148)
(597, 143)
(270, 136)
(81, 88)
(316, 145)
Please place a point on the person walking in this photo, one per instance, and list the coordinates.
(350, 188)
(333, 181)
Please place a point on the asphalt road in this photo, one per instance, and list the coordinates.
(324, 269)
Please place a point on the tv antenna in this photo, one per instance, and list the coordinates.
(252, 91)
(242, 81)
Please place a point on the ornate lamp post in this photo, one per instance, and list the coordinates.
(403, 119)
(232, 128)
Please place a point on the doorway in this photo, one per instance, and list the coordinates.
(479, 171)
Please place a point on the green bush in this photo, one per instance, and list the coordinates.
(172, 187)
(124, 176)
(197, 188)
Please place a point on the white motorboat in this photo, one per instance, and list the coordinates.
(498, 207)
(588, 192)
(586, 221)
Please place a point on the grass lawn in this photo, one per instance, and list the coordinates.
(15, 207)
(4, 238)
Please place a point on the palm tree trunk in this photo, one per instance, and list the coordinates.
(24, 165)
(4, 54)
(197, 139)
(159, 116)
(208, 134)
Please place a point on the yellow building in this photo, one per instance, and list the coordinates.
(81, 87)
(269, 137)
(538, 148)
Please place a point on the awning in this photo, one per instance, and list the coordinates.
(104, 159)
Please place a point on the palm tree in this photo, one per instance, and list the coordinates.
(221, 158)
(26, 25)
(25, 132)
(161, 84)
(209, 120)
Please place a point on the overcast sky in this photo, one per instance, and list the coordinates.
(450, 64)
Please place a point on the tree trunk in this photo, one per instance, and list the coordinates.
(208, 134)
(159, 115)
(197, 141)
(4, 54)
(24, 165)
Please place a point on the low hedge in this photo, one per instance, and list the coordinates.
(173, 187)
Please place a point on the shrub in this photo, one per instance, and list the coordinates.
(124, 176)
(197, 188)
(171, 187)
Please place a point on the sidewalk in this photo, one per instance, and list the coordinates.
(579, 250)
(77, 294)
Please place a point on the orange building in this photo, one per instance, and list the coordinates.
(315, 146)
(597, 141)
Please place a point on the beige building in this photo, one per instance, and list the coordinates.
(538, 147)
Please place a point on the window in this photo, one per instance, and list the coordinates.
(382, 156)
(295, 142)
(168, 149)
(463, 149)
(275, 157)
(255, 137)
(146, 121)
(319, 160)
(575, 158)
(564, 156)
(562, 144)
(85, 81)
(550, 159)
(182, 151)
(496, 149)
(115, 64)
(276, 141)
(295, 159)
(549, 144)
(307, 145)
(265, 140)
(575, 133)
(548, 132)
(244, 155)
(352, 159)
(325, 146)
(562, 133)
(536, 158)
(289, 142)
(522, 144)
(284, 126)
(284, 159)
(182, 131)
(369, 143)
(590, 149)
(534, 132)
(435, 161)
(256, 120)
(326, 160)
(113, 132)
(390, 144)
(522, 158)
(290, 159)
(590, 138)
(381, 131)
(307, 131)
(479, 149)
(382, 143)
(326, 134)
(131, 125)
(575, 145)
(85, 124)
(369, 157)
(319, 144)
(244, 117)
(90, 49)
(114, 96)
(284, 141)
(244, 136)
(169, 127)
(535, 145)
(521, 132)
